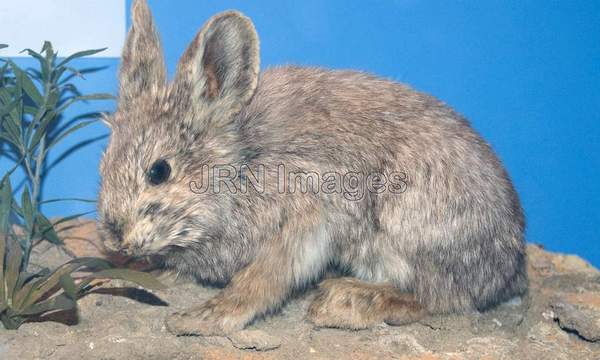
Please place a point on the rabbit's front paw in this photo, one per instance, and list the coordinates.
(216, 317)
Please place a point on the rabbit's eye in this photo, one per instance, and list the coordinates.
(159, 172)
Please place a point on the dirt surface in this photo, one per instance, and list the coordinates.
(560, 319)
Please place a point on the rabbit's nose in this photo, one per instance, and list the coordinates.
(132, 249)
(128, 248)
(125, 251)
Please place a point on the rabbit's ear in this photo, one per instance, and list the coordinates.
(142, 64)
(219, 70)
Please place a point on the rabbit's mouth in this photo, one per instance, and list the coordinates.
(136, 262)
(142, 263)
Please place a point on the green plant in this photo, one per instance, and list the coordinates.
(32, 103)
(23, 295)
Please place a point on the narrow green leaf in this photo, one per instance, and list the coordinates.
(27, 84)
(79, 55)
(97, 96)
(28, 211)
(69, 131)
(42, 60)
(47, 47)
(17, 114)
(74, 99)
(15, 166)
(24, 279)
(67, 199)
(23, 293)
(12, 132)
(74, 72)
(53, 98)
(17, 209)
(10, 121)
(31, 90)
(3, 240)
(8, 108)
(68, 285)
(71, 217)
(56, 74)
(49, 60)
(45, 229)
(10, 320)
(6, 200)
(33, 53)
(13, 268)
(3, 73)
(53, 279)
(7, 137)
(5, 95)
(65, 105)
(141, 278)
(32, 293)
(57, 303)
(41, 130)
(40, 113)
(28, 109)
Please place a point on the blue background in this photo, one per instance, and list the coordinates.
(526, 73)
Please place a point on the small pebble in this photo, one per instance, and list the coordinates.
(549, 315)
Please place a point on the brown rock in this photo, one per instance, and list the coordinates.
(254, 339)
(81, 238)
(115, 323)
(580, 319)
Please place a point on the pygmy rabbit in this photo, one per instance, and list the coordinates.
(439, 228)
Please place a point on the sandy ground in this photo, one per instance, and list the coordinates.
(560, 319)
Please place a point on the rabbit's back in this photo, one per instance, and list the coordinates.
(458, 224)
(351, 121)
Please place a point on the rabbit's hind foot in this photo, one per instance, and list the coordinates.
(350, 303)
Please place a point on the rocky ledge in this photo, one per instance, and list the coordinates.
(560, 319)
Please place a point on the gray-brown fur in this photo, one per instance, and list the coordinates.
(354, 304)
(454, 238)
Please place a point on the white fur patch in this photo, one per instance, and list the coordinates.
(312, 256)
(382, 265)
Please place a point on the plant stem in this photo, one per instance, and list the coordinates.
(41, 153)
(34, 174)
(39, 164)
